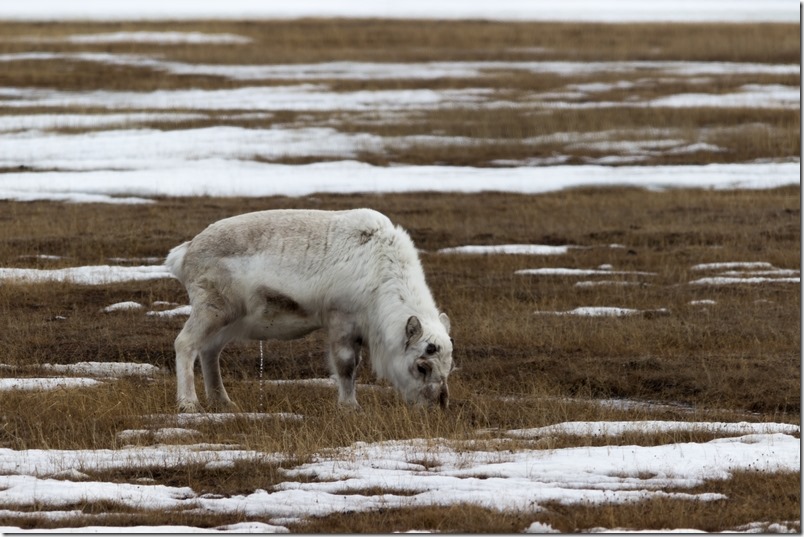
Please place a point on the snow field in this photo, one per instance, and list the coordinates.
(513, 10)
(521, 480)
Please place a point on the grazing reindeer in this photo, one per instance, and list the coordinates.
(285, 273)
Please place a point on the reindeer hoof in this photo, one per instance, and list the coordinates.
(190, 407)
(350, 406)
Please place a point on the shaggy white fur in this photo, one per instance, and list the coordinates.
(282, 274)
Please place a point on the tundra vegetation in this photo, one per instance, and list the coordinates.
(700, 352)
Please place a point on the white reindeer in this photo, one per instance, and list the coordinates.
(282, 274)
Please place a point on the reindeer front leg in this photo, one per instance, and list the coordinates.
(344, 356)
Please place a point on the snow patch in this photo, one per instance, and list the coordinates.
(605, 311)
(550, 271)
(47, 383)
(508, 10)
(618, 428)
(89, 275)
(223, 177)
(123, 306)
(104, 369)
(174, 312)
(515, 249)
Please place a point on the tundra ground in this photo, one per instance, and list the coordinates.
(708, 342)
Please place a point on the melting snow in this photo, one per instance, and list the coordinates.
(703, 302)
(600, 283)
(517, 249)
(89, 275)
(104, 369)
(217, 177)
(754, 272)
(737, 281)
(617, 428)
(47, 383)
(605, 311)
(161, 38)
(174, 312)
(747, 265)
(123, 306)
(572, 10)
(549, 271)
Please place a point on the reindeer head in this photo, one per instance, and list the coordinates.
(428, 360)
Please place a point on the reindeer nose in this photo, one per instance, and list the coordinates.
(443, 397)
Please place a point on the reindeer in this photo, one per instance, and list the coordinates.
(282, 274)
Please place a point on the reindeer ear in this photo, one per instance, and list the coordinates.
(413, 330)
(444, 320)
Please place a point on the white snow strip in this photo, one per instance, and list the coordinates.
(703, 302)
(749, 96)
(723, 280)
(219, 177)
(603, 283)
(239, 528)
(70, 197)
(46, 384)
(746, 265)
(104, 369)
(515, 249)
(557, 271)
(26, 489)
(320, 382)
(89, 275)
(603, 311)
(123, 306)
(175, 312)
(159, 38)
(618, 428)
(517, 10)
(786, 526)
(300, 98)
(752, 273)
(46, 257)
(47, 462)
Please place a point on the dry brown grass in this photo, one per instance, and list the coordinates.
(498, 333)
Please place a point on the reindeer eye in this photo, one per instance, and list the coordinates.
(431, 349)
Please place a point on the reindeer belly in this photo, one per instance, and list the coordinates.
(277, 316)
(282, 326)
